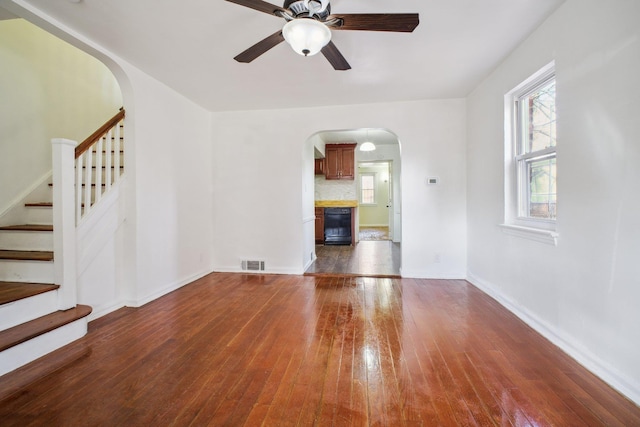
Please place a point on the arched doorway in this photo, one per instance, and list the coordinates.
(381, 167)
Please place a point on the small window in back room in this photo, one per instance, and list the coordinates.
(367, 188)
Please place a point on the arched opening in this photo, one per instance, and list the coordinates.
(50, 89)
(373, 194)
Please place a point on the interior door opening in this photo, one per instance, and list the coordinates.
(375, 209)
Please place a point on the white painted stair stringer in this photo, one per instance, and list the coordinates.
(17, 213)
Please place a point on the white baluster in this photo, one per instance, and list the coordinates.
(97, 192)
(116, 153)
(87, 179)
(108, 160)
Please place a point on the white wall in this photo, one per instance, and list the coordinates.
(258, 192)
(170, 205)
(48, 89)
(163, 234)
(584, 293)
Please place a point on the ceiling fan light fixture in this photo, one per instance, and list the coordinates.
(367, 146)
(306, 36)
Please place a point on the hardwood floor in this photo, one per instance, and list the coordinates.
(368, 258)
(251, 350)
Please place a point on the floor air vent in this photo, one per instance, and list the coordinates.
(253, 265)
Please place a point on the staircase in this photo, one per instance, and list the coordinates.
(31, 321)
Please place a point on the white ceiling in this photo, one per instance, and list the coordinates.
(190, 44)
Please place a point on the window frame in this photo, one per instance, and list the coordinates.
(375, 188)
(517, 160)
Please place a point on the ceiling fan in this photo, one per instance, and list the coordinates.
(309, 24)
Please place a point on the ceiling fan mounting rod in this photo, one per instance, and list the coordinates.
(315, 8)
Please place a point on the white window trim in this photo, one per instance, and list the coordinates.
(537, 234)
(540, 230)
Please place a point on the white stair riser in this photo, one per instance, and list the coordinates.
(26, 309)
(26, 271)
(21, 354)
(38, 215)
(26, 240)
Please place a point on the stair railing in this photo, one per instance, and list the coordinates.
(72, 197)
(101, 150)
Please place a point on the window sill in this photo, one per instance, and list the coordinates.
(543, 236)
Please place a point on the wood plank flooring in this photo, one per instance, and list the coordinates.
(252, 350)
(368, 258)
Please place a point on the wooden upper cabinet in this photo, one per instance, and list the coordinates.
(340, 161)
(319, 166)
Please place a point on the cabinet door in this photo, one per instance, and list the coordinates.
(348, 163)
(339, 161)
(332, 162)
(319, 225)
(319, 167)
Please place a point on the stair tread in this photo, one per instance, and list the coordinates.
(84, 185)
(14, 291)
(28, 227)
(26, 331)
(26, 255)
(39, 204)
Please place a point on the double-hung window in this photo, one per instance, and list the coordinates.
(531, 142)
(367, 188)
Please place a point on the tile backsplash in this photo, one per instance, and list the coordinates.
(334, 189)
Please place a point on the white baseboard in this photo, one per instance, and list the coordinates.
(170, 288)
(103, 310)
(308, 264)
(287, 271)
(590, 361)
(420, 274)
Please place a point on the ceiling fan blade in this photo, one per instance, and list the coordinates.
(261, 47)
(333, 55)
(259, 5)
(400, 22)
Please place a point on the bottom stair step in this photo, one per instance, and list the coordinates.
(26, 331)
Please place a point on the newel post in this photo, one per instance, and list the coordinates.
(64, 221)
